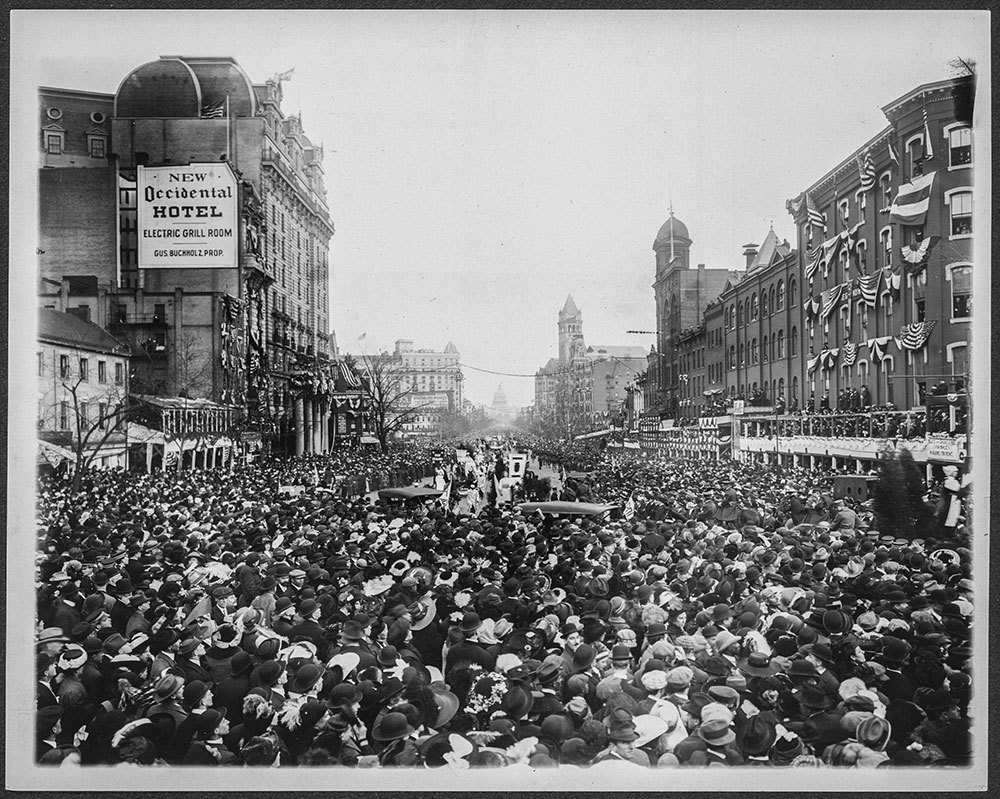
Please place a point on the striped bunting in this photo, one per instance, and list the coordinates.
(914, 336)
(816, 217)
(829, 358)
(916, 256)
(850, 353)
(812, 363)
(813, 258)
(912, 201)
(347, 373)
(869, 288)
(813, 304)
(866, 169)
(214, 110)
(831, 299)
(877, 347)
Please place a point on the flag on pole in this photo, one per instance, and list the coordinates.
(629, 510)
(816, 217)
(445, 498)
(866, 168)
(315, 475)
(912, 200)
(928, 147)
(214, 110)
(893, 155)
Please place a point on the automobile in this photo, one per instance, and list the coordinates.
(406, 493)
(566, 508)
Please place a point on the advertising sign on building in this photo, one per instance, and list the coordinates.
(940, 448)
(187, 217)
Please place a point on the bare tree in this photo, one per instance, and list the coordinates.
(391, 401)
(963, 66)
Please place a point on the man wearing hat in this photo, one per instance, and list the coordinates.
(469, 650)
(309, 629)
(719, 748)
(223, 603)
(166, 698)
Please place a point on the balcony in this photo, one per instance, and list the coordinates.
(127, 319)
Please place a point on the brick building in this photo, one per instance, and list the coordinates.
(254, 336)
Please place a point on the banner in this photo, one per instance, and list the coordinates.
(912, 201)
(187, 217)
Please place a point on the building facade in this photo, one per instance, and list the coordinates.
(83, 391)
(254, 335)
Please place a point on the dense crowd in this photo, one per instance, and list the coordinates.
(730, 615)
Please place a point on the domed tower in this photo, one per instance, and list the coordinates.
(570, 330)
(672, 244)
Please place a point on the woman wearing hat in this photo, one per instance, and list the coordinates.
(77, 706)
(393, 741)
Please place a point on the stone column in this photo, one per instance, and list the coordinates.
(298, 423)
(307, 420)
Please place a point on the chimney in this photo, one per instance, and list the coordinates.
(749, 252)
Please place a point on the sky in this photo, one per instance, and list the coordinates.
(482, 165)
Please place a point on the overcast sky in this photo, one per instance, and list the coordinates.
(483, 165)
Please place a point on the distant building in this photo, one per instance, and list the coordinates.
(83, 389)
(500, 409)
(586, 386)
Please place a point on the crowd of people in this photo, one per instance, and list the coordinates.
(726, 615)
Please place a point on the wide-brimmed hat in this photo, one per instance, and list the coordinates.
(422, 613)
(874, 732)
(757, 664)
(52, 635)
(785, 749)
(716, 733)
(447, 705)
(167, 686)
(648, 727)
(756, 736)
(812, 696)
(434, 749)
(390, 727)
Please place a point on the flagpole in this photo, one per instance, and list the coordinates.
(229, 133)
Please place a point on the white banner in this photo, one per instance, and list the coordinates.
(187, 217)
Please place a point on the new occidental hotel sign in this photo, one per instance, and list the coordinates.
(187, 217)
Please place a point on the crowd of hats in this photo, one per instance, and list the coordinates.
(205, 618)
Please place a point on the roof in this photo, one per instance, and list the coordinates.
(673, 228)
(450, 349)
(55, 327)
(616, 351)
(570, 308)
(185, 86)
(770, 247)
(550, 367)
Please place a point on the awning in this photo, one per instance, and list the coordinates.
(596, 434)
(53, 454)
(369, 440)
(140, 434)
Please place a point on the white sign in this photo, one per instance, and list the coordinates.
(187, 217)
(516, 465)
(944, 449)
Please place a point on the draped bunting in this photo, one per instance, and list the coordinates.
(850, 353)
(866, 171)
(812, 364)
(829, 358)
(915, 257)
(812, 262)
(831, 299)
(348, 375)
(812, 307)
(869, 288)
(893, 281)
(913, 200)
(877, 348)
(914, 336)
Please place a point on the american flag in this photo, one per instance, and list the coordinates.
(893, 155)
(816, 217)
(214, 110)
(629, 510)
(866, 168)
(928, 148)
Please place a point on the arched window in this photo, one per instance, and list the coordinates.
(792, 292)
(746, 310)
(793, 342)
(732, 357)
(795, 388)
(754, 309)
(740, 314)
(781, 344)
(781, 386)
(770, 302)
(780, 299)
(753, 352)
(763, 349)
(742, 360)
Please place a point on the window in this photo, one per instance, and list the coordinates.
(743, 361)
(63, 366)
(780, 296)
(863, 372)
(160, 313)
(961, 291)
(862, 307)
(41, 364)
(885, 192)
(763, 350)
(793, 287)
(793, 342)
(845, 319)
(844, 211)
(885, 238)
(795, 387)
(845, 376)
(84, 369)
(960, 203)
(102, 372)
(753, 352)
(781, 344)
(861, 199)
(754, 309)
(64, 415)
(54, 143)
(919, 307)
(885, 302)
(159, 340)
(914, 155)
(84, 415)
(958, 354)
(861, 253)
(102, 415)
(959, 146)
(845, 264)
(732, 357)
(98, 146)
(740, 314)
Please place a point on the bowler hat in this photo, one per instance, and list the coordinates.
(812, 696)
(470, 622)
(391, 726)
(583, 658)
(756, 736)
(757, 664)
